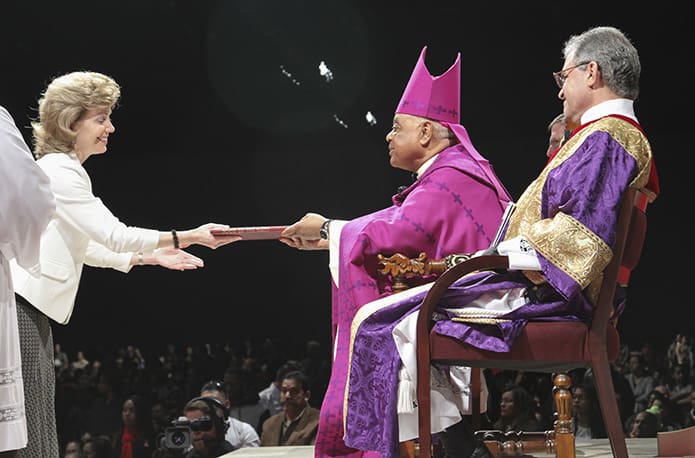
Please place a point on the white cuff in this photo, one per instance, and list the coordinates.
(334, 248)
(521, 254)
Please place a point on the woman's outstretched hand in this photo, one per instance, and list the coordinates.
(203, 236)
(174, 259)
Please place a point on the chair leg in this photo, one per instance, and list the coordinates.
(607, 401)
(407, 449)
(423, 401)
(476, 373)
(564, 426)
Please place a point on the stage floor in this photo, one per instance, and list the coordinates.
(595, 448)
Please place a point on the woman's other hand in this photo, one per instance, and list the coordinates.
(174, 259)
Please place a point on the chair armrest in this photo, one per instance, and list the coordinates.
(401, 268)
(434, 295)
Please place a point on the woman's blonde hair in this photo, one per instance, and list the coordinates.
(64, 102)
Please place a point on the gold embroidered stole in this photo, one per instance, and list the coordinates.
(563, 240)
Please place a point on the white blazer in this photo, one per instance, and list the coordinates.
(83, 231)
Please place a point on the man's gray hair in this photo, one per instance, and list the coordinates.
(616, 56)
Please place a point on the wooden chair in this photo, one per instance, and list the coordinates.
(542, 346)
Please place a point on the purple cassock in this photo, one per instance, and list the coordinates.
(568, 214)
(455, 206)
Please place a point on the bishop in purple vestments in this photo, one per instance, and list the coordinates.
(454, 206)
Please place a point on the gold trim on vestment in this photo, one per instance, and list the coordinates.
(362, 314)
(563, 240)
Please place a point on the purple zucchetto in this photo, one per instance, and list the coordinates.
(433, 97)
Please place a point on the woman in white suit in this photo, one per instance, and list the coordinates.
(74, 123)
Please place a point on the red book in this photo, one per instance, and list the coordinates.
(251, 233)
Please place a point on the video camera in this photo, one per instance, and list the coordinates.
(178, 436)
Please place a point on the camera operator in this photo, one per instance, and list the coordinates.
(200, 434)
(239, 433)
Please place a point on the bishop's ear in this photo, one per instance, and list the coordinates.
(426, 132)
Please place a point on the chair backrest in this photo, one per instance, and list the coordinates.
(629, 239)
(631, 229)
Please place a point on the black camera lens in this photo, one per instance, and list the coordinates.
(178, 438)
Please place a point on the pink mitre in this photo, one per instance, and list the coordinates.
(433, 97)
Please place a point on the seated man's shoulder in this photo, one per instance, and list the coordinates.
(313, 413)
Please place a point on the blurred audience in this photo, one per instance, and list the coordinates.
(90, 396)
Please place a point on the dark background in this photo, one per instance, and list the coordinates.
(224, 117)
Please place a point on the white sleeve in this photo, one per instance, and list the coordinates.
(99, 256)
(249, 436)
(335, 228)
(521, 254)
(26, 201)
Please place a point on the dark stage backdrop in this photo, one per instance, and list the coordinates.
(227, 115)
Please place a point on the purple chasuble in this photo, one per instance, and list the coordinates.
(451, 208)
(580, 193)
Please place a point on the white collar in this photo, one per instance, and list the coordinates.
(624, 107)
(425, 166)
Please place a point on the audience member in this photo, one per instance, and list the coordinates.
(80, 362)
(690, 415)
(73, 447)
(640, 382)
(106, 407)
(97, 447)
(243, 397)
(680, 351)
(160, 418)
(60, 360)
(588, 420)
(654, 362)
(239, 433)
(269, 397)
(136, 438)
(642, 424)
(623, 392)
(557, 129)
(208, 422)
(679, 385)
(317, 367)
(516, 411)
(298, 422)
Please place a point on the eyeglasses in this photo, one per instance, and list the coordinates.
(561, 76)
